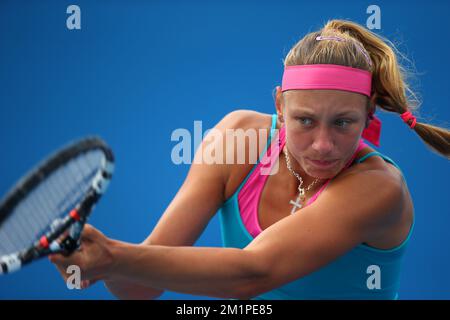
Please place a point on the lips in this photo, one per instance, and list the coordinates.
(322, 163)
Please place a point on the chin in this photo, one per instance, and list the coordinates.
(323, 173)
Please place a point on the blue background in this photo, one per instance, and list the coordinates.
(137, 71)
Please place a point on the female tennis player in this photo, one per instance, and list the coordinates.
(331, 221)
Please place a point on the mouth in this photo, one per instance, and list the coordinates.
(323, 164)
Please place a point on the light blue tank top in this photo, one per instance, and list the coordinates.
(352, 276)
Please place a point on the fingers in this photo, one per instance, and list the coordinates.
(59, 266)
(90, 257)
(61, 260)
(87, 283)
(62, 264)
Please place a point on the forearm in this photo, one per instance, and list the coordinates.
(216, 272)
(126, 290)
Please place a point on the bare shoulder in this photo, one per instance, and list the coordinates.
(362, 172)
(206, 170)
(246, 120)
(373, 163)
(371, 185)
(381, 186)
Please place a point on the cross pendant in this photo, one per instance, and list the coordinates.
(296, 204)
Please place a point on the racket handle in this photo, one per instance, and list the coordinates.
(69, 245)
(10, 263)
(72, 242)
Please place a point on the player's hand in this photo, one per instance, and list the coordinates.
(94, 257)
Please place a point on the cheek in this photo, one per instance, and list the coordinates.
(294, 133)
(346, 153)
(298, 144)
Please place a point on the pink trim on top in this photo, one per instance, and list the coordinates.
(250, 194)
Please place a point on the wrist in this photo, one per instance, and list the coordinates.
(113, 248)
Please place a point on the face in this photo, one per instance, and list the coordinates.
(323, 125)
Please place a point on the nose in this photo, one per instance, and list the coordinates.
(323, 142)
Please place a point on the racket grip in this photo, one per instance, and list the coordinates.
(72, 242)
(10, 263)
(69, 245)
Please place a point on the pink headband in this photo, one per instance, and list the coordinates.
(327, 76)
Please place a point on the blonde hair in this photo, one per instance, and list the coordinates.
(390, 89)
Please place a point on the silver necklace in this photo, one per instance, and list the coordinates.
(301, 191)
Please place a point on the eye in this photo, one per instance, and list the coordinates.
(304, 121)
(344, 123)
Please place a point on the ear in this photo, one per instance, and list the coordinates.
(370, 109)
(279, 103)
(372, 104)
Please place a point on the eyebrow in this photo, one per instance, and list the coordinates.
(343, 113)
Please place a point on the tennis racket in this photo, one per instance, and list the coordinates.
(45, 212)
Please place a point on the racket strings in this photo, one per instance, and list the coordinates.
(53, 198)
(39, 206)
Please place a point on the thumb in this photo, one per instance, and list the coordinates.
(89, 232)
(57, 258)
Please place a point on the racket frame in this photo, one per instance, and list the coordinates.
(64, 237)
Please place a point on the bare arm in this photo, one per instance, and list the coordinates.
(269, 261)
(198, 199)
(209, 271)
